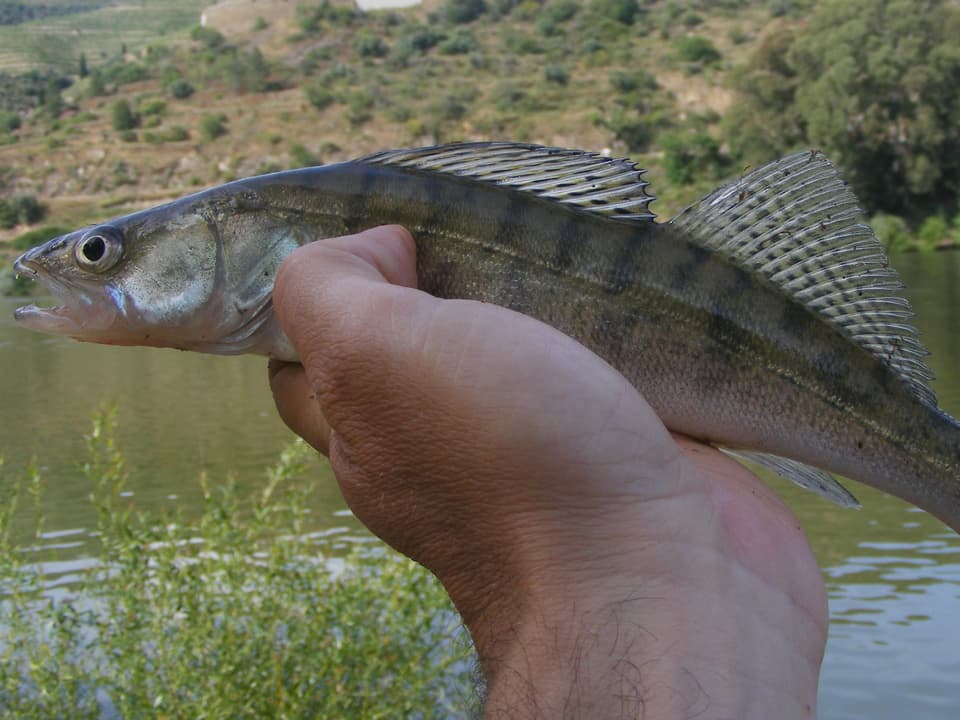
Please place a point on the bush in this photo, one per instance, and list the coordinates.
(8, 214)
(556, 74)
(208, 37)
(122, 116)
(692, 157)
(24, 209)
(933, 232)
(464, 11)
(460, 42)
(369, 45)
(300, 156)
(235, 614)
(623, 11)
(318, 94)
(9, 121)
(180, 89)
(153, 107)
(213, 126)
(892, 231)
(697, 49)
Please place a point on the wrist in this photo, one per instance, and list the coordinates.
(669, 645)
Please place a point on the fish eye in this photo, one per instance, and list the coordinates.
(98, 251)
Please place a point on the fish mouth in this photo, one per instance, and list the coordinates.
(78, 316)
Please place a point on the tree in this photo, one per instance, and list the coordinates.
(873, 83)
(123, 117)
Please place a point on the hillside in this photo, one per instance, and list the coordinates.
(131, 108)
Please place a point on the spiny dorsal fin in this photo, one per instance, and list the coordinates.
(795, 222)
(590, 181)
(809, 478)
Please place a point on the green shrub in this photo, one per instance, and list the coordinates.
(691, 157)
(153, 106)
(260, 24)
(177, 133)
(933, 232)
(29, 209)
(892, 231)
(300, 156)
(369, 45)
(623, 11)
(556, 74)
(9, 121)
(420, 38)
(208, 37)
(180, 89)
(122, 117)
(624, 81)
(8, 214)
(460, 42)
(318, 94)
(213, 126)
(562, 10)
(697, 49)
(359, 106)
(238, 613)
(464, 11)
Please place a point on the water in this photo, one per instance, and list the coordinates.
(893, 572)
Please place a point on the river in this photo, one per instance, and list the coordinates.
(892, 571)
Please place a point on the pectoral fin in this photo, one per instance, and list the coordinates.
(809, 478)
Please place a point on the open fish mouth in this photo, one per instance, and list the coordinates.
(78, 316)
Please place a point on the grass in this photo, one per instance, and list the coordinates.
(237, 614)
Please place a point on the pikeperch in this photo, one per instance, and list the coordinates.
(764, 319)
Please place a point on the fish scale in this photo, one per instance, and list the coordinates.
(764, 319)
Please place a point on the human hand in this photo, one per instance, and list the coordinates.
(603, 567)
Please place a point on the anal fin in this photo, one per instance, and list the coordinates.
(809, 478)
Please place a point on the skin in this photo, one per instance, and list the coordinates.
(603, 566)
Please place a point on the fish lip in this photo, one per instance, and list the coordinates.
(60, 319)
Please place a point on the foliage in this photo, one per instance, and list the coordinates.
(318, 94)
(892, 231)
(238, 614)
(933, 232)
(872, 83)
(21, 209)
(460, 42)
(301, 156)
(623, 11)
(556, 74)
(208, 37)
(693, 156)
(697, 49)
(180, 89)
(213, 126)
(9, 121)
(122, 116)
(367, 44)
(464, 11)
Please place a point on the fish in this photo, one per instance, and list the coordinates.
(764, 319)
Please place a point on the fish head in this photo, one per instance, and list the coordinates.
(188, 275)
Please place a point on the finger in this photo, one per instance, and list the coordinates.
(298, 405)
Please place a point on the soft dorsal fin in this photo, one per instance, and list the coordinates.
(607, 186)
(795, 222)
